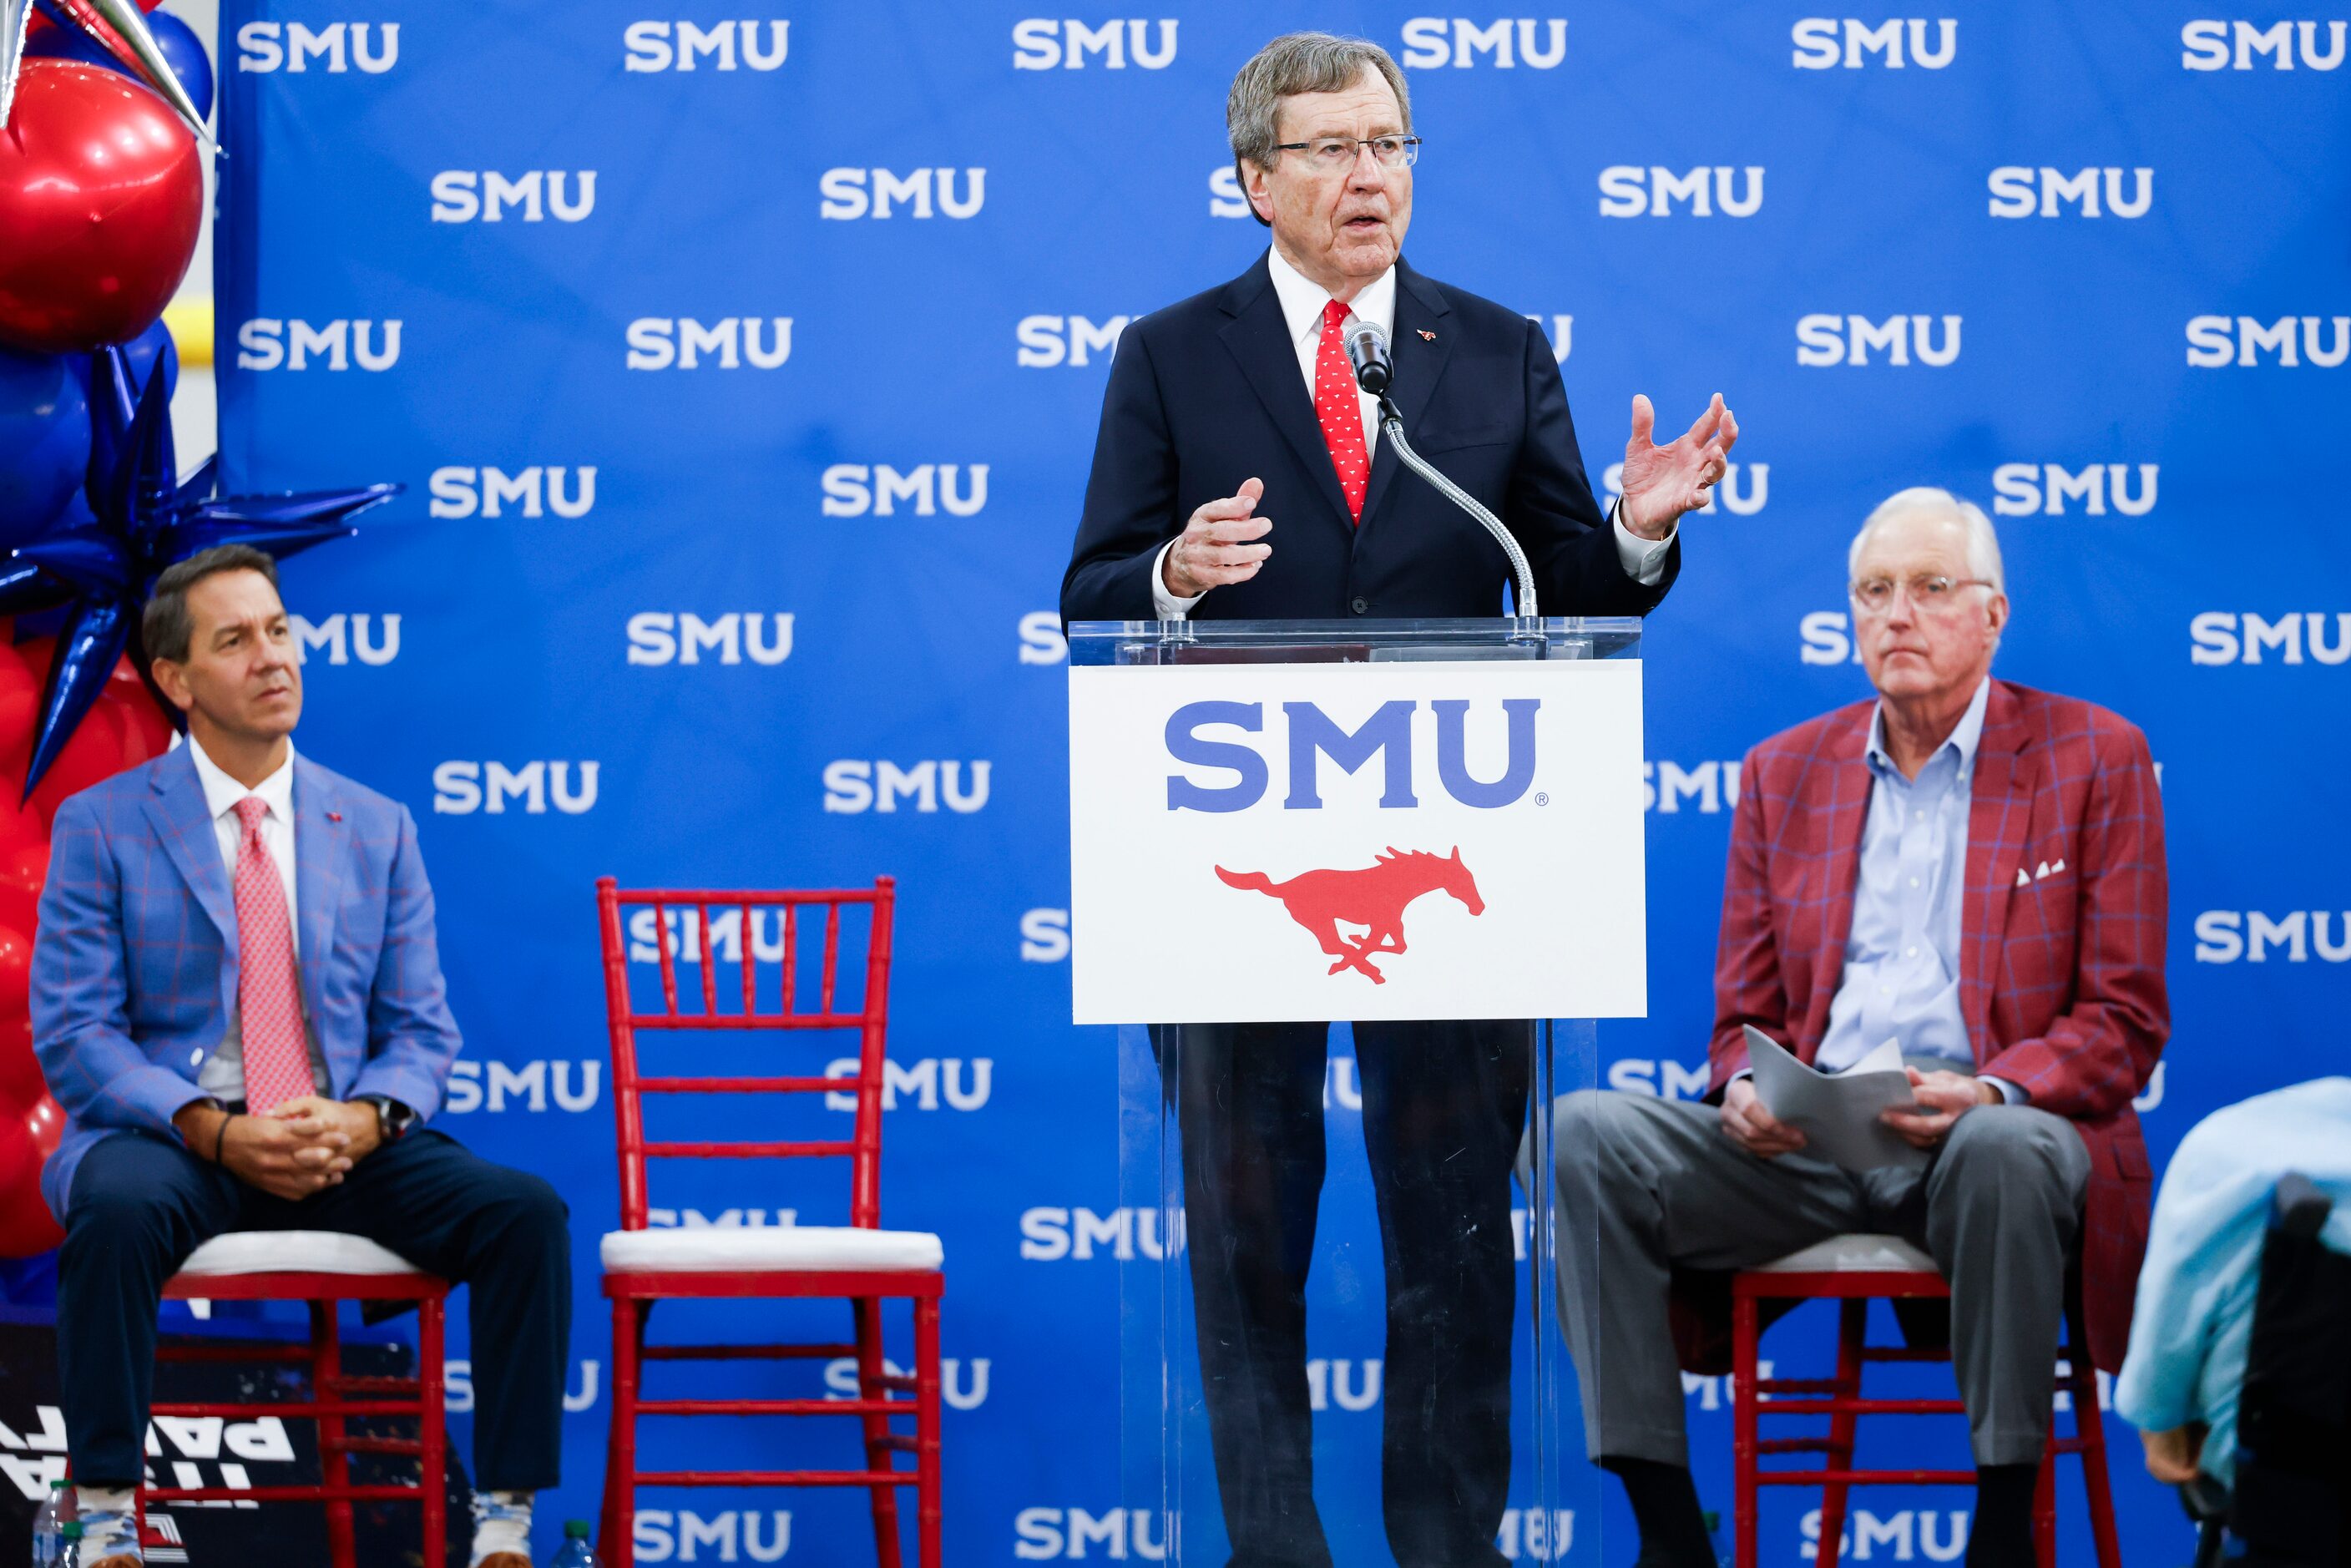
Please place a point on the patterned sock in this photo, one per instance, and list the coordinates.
(501, 1523)
(109, 1526)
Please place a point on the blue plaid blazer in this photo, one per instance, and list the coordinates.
(135, 964)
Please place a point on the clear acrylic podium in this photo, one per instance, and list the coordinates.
(1423, 1414)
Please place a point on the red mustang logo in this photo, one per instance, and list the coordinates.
(1373, 897)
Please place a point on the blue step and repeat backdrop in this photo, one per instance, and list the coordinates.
(743, 368)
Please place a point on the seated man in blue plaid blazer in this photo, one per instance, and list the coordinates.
(237, 1000)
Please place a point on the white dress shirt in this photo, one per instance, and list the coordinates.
(1302, 304)
(222, 1074)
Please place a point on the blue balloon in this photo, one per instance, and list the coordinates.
(182, 51)
(139, 356)
(44, 439)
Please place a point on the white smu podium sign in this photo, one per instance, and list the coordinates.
(1275, 825)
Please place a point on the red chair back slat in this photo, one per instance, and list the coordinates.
(863, 1147)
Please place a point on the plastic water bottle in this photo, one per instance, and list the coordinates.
(49, 1524)
(68, 1545)
(575, 1552)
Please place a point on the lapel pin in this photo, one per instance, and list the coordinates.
(1426, 336)
(334, 816)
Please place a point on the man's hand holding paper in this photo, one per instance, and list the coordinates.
(1846, 1118)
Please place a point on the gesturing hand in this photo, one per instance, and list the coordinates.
(1215, 547)
(1751, 1127)
(1661, 483)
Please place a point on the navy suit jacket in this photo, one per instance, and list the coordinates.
(1207, 393)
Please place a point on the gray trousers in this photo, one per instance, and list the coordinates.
(1648, 1185)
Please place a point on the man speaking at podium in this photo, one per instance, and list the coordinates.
(1227, 413)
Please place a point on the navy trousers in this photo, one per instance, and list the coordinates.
(142, 1203)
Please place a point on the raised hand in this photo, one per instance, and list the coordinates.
(1215, 547)
(1661, 483)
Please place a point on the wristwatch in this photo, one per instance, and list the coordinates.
(393, 1119)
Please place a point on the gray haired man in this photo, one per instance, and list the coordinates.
(1225, 412)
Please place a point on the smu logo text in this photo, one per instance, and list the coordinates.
(267, 343)
(342, 635)
(1506, 41)
(2214, 340)
(2220, 45)
(463, 491)
(1629, 191)
(1050, 341)
(854, 490)
(1825, 43)
(659, 1535)
(2226, 936)
(1045, 1533)
(659, 637)
(464, 196)
(652, 46)
(2225, 637)
(474, 1086)
(373, 46)
(661, 342)
(847, 193)
(1849, 339)
(966, 1086)
(461, 788)
(1044, 44)
(1313, 734)
(2018, 191)
(851, 787)
(2020, 489)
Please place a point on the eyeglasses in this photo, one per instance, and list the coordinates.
(1875, 594)
(1336, 154)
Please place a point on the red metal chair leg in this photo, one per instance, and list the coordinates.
(1853, 1331)
(926, 1429)
(2044, 1510)
(617, 1545)
(432, 1429)
(334, 1463)
(866, 1312)
(1743, 1395)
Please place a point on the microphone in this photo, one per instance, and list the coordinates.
(1367, 351)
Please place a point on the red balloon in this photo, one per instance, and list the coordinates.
(16, 972)
(101, 193)
(23, 867)
(93, 752)
(26, 1139)
(22, 1084)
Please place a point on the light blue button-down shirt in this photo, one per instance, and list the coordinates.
(1901, 979)
(2194, 1319)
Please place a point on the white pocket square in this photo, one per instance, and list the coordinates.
(2023, 880)
(2045, 870)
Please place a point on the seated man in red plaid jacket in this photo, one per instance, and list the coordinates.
(1972, 869)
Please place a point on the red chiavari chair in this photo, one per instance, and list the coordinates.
(860, 1263)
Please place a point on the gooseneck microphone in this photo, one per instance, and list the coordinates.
(1367, 351)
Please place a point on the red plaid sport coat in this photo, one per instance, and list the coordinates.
(2061, 943)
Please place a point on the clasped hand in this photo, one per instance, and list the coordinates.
(1942, 1099)
(299, 1147)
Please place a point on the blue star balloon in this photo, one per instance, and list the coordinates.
(96, 571)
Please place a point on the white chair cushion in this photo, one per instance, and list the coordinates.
(1856, 1254)
(294, 1252)
(806, 1248)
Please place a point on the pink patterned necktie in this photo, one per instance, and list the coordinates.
(1341, 415)
(270, 1014)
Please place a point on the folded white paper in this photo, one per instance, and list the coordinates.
(1837, 1112)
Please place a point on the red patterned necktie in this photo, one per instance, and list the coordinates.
(270, 1015)
(1342, 415)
